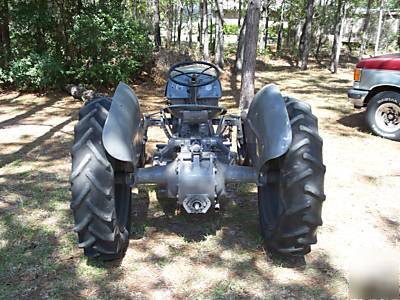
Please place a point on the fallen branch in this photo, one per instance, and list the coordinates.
(80, 92)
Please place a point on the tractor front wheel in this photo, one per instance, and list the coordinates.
(290, 201)
(101, 197)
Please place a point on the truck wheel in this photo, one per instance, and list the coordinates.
(101, 197)
(383, 115)
(290, 201)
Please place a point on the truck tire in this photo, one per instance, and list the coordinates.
(101, 197)
(383, 115)
(290, 201)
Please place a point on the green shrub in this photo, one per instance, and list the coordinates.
(34, 72)
(4, 76)
(110, 49)
(98, 45)
(231, 29)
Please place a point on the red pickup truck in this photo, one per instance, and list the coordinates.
(377, 87)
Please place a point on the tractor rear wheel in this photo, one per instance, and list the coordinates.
(290, 201)
(101, 196)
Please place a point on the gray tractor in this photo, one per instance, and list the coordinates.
(275, 144)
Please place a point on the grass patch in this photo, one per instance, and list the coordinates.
(27, 243)
(227, 290)
(16, 163)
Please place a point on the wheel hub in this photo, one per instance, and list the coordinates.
(196, 204)
(387, 117)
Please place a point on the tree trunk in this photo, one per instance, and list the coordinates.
(134, 9)
(219, 43)
(170, 17)
(240, 13)
(180, 26)
(175, 13)
(301, 43)
(249, 55)
(206, 35)
(40, 31)
(190, 23)
(398, 34)
(365, 30)
(65, 23)
(289, 31)
(280, 30)
(156, 24)
(240, 47)
(266, 25)
(350, 35)
(378, 32)
(295, 37)
(266, 29)
(200, 26)
(323, 32)
(211, 32)
(337, 41)
(319, 45)
(304, 47)
(5, 41)
(148, 10)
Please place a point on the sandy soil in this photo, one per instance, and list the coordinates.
(213, 256)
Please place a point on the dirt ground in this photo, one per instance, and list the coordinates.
(203, 257)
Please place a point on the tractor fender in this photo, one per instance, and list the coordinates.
(123, 130)
(267, 127)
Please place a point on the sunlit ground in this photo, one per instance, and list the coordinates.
(212, 256)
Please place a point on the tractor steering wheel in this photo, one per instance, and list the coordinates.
(194, 70)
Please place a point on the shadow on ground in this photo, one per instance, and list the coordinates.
(29, 108)
(356, 121)
(223, 252)
(39, 256)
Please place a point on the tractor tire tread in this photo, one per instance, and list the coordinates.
(301, 179)
(93, 186)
